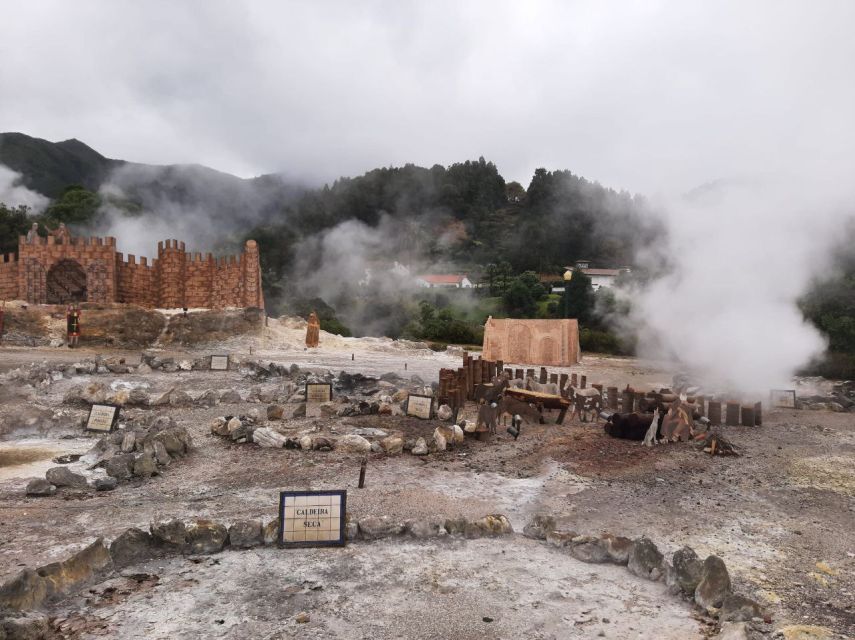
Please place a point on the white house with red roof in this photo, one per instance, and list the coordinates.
(447, 281)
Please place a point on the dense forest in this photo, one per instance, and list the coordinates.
(351, 249)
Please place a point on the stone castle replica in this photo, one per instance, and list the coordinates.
(55, 270)
(542, 342)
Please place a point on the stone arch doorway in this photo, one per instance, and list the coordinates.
(66, 282)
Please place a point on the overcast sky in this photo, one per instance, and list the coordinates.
(648, 96)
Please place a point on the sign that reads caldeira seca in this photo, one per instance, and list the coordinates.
(312, 518)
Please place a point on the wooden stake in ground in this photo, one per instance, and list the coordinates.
(362, 467)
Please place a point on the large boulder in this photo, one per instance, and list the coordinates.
(420, 448)
(275, 412)
(94, 393)
(392, 445)
(65, 477)
(439, 441)
(179, 398)
(539, 526)
(40, 487)
(645, 560)
(144, 465)
(106, 483)
(714, 586)
(617, 547)
(492, 525)
(424, 529)
(374, 528)
(561, 538)
(63, 577)
(244, 534)
(686, 571)
(131, 547)
(120, 466)
(138, 397)
(265, 437)
(589, 549)
(736, 608)
(230, 396)
(208, 398)
(444, 412)
(27, 590)
(270, 533)
(28, 625)
(219, 426)
(352, 443)
(205, 536)
(171, 532)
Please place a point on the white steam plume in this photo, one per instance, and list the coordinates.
(13, 193)
(741, 256)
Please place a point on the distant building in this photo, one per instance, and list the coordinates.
(599, 277)
(451, 281)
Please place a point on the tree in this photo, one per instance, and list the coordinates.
(578, 298)
(76, 206)
(14, 222)
(519, 301)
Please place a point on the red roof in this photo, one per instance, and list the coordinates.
(442, 279)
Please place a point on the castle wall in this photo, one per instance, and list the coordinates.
(541, 342)
(46, 270)
(8, 277)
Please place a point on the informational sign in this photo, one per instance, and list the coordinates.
(102, 417)
(420, 406)
(785, 398)
(316, 394)
(312, 518)
(219, 363)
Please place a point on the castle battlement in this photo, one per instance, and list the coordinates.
(59, 270)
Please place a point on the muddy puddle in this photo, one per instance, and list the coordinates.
(31, 458)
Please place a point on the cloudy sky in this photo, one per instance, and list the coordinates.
(648, 96)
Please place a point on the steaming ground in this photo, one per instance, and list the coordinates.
(787, 504)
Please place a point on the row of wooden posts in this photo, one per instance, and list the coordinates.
(456, 386)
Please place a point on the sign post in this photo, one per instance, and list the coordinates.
(316, 394)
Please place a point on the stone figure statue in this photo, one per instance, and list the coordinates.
(313, 331)
(33, 234)
(61, 233)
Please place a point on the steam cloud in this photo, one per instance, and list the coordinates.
(13, 193)
(741, 254)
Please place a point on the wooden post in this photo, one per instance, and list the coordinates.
(731, 418)
(491, 370)
(612, 393)
(583, 382)
(500, 365)
(518, 374)
(509, 373)
(758, 413)
(562, 382)
(543, 375)
(628, 402)
(714, 412)
(699, 401)
(529, 373)
(362, 472)
(553, 378)
(574, 380)
(747, 415)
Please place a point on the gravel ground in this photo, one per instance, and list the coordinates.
(773, 513)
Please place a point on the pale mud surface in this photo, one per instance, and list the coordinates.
(772, 514)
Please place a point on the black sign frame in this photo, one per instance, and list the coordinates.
(342, 493)
(431, 411)
(218, 355)
(790, 392)
(116, 408)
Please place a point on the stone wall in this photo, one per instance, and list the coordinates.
(91, 270)
(542, 342)
(8, 277)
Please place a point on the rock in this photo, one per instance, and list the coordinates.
(74, 395)
(204, 536)
(185, 365)
(179, 398)
(714, 586)
(266, 437)
(455, 526)
(468, 426)
(129, 440)
(270, 532)
(539, 526)
(373, 528)
(233, 426)
(306, 443)
(27, 590)
(439, 440)
(64, 477)
(120, 397)
(589, 549)
(351, 531)
(219, 426)
(26, 625)
(63, 577)
(132, 547)
(106, 483)
(385, 409)
(144, 465)
(492, 525)
(392, 445)
(400, 396)
(617, 547)
(560, 538)
(94, 393)
(733, 631)
(301, 618)
(160, 454)
(120, 466)
(420, 447)
(143, 369)
(161, 400)
(444, 412)
(230, 396)
(244, 534)
(352, 443)
(40, 487)
(645, 560)
(170, 532)
(321, 443)
(254, 415)
(275, 412)
(139, 398)
(423, 529)
(736, 608)
(687, 570)
(208, 398)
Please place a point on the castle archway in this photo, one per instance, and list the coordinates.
(66, 282)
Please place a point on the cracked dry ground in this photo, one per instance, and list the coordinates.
(773, 514)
